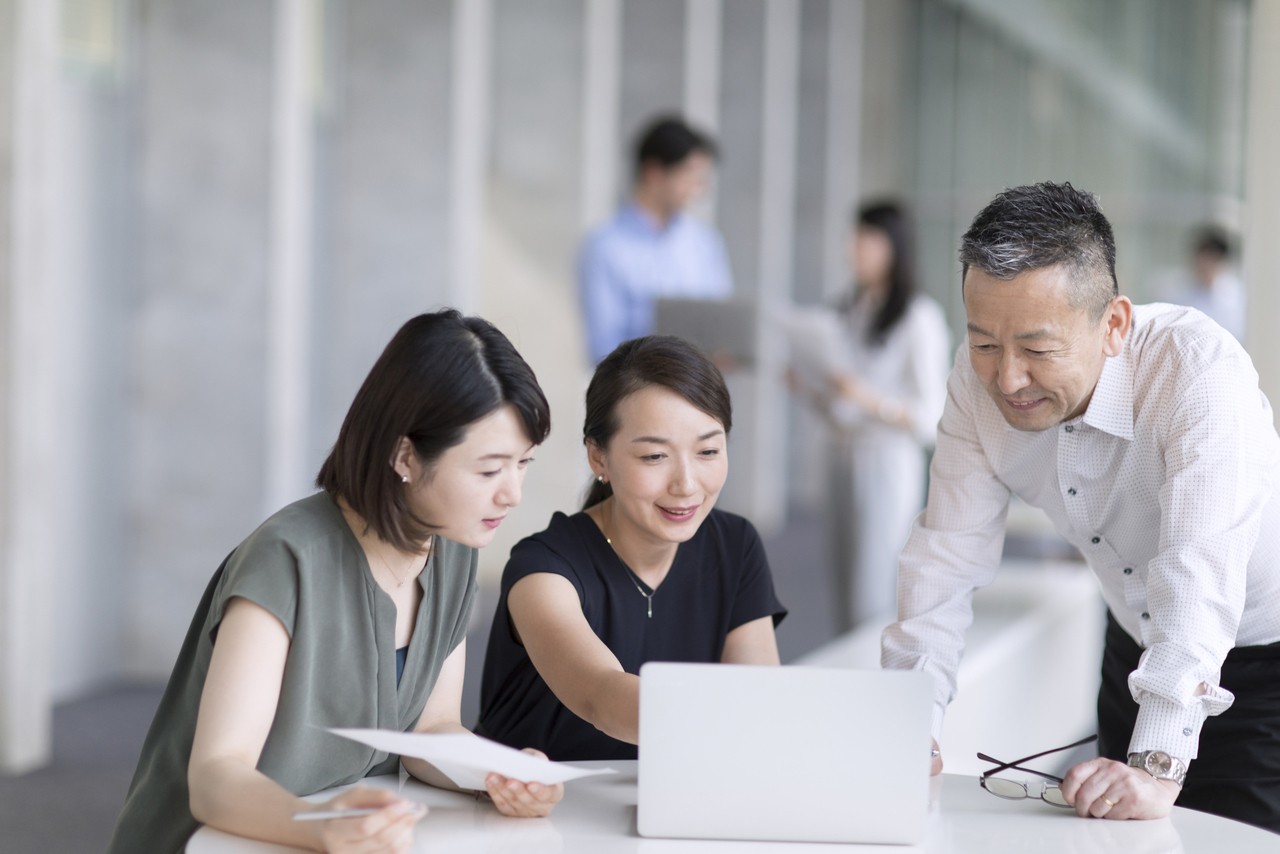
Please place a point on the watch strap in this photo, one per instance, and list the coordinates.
(1152, 761)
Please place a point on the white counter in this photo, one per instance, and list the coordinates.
(1030, 674)
(598, 816)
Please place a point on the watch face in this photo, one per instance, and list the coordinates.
(1159, 763)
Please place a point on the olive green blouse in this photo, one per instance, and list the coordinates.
(306, 567)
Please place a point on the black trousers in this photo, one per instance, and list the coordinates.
(1237, 771)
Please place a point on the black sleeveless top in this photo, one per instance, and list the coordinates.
(718, 581)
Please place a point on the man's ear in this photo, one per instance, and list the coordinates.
(1117, 320)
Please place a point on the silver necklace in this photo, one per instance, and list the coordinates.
(630, 574)
(400, 582)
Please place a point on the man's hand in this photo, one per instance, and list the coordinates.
(1104, 788)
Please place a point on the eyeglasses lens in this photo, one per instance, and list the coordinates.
(1053, 795)
(1006, 788)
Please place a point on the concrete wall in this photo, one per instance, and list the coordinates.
(198, 329)
(383, 181)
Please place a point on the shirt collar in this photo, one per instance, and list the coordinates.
(1111, 407)
(643, 221)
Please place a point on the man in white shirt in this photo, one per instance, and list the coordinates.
(1142, 433)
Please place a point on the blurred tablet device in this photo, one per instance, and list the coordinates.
(796, 754)
(720, 327)
(815, 337)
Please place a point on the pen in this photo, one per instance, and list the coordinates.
(325, 815)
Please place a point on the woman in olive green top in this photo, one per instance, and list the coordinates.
(348, 608)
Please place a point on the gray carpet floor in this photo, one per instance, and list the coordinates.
(70, 807)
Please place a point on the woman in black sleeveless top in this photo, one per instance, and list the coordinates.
(648, 571)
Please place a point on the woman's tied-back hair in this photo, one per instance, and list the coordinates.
(441, 373)
(662, 360)
(1043, 225)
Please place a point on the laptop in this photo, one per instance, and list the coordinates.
(793, 754)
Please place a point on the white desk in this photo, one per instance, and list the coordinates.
(1009, 703)
(597, 815)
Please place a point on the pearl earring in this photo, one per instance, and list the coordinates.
(404, 478)
(600, 478)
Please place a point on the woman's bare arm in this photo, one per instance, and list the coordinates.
(443, 714)
(580, 669)
(751, 643)
(237, 707)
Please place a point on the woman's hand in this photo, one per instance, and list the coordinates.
(388, 831)
(935, 768)
(523, 800)
(851, 388)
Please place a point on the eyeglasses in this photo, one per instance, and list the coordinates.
(1015, 791)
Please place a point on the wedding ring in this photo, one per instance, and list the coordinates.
(1104, 797)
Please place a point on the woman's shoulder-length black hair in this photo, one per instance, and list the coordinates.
(440, 373)
(663, 360)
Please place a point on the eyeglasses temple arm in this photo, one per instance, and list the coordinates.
(1005, 766)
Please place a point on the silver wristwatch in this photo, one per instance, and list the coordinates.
(1160, 765)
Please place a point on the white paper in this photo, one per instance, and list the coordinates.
(817, 345)
(468, 759)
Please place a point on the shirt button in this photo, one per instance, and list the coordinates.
(1071, 491)
(1128, 570)
(1146, 616)
(1096, 540)
(1186, 731)
(1069, 428)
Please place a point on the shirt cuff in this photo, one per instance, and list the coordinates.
(1169, 726)
(938, 712)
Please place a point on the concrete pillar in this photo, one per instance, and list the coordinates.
(472, 36)
(703, 31)
(776, 260)
(1262, 196)
(28, 54)
(298, 58)
(844, 130)
(602, 57)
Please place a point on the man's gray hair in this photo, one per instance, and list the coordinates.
(1043, 225)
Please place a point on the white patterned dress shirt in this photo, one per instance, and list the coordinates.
(1166, 485)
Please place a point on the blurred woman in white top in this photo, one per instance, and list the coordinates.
(884, 412)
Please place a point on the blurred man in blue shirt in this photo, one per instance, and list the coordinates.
(652, 248)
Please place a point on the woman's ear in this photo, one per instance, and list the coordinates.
(404, 460)
(596, 459)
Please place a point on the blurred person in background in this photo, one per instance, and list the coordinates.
(648, 571)
(1211, 285)
(884, 411)
(349, 608)
(652, 248)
